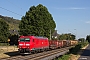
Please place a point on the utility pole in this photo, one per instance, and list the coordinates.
(50, 34)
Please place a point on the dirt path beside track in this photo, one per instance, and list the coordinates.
(6, 49)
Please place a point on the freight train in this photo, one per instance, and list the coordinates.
(29, 44)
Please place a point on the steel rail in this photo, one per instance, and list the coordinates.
(37, 56)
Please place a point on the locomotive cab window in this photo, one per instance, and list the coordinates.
(24, 40)
(27, 39)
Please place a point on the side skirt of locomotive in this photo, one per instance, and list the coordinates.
(34, 50)
(24, 51)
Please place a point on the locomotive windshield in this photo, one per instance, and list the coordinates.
(24, 39)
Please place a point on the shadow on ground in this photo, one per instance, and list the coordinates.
(15, 53)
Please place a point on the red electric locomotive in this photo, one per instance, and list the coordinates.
(28, 44)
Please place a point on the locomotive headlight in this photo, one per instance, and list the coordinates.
(27, 44)
(20, 44)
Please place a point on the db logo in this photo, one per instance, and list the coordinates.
(42, 42)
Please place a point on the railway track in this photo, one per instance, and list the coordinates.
(38, 56)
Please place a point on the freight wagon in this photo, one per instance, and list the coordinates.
(73, 42)
(53, 44)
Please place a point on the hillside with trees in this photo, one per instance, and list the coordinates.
(7, 27)
(4, 30)
(13, 23)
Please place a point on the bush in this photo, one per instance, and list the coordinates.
(75, 49)
(83, 44)
(64, 57)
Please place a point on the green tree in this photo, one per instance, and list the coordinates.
(68, 36)
(81, 39)
(37, 21)
(4, 30)
(88, 38)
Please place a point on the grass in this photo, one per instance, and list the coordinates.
(3, 44)
(64, 57)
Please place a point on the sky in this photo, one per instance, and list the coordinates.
(70, 16)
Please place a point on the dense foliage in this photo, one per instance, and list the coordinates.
(4, 30)
(67, 37)
(88, 38)
(81, 39)
(37, 21)
(13, 39)
(80, 45)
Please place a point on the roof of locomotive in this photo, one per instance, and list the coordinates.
(38, 37)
